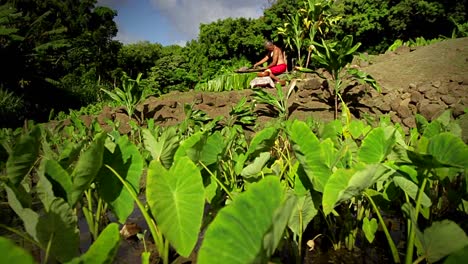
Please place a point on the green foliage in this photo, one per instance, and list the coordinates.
(50, 49)
(419, 41)
(257, 228)
(13, 253)
(313, 20)
(139, 57)
(11, 107)
(227, 82)
(279, 102)
(129, 96)
(126, 160)
(104, 249)
(176, 198)
(377, 24)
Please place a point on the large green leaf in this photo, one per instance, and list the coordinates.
(24, 156)
(126, 160)
(241, 230)
(176, 198)
(12, 253)
(202, 148)
(347, 183)
(376, 146)
(262, 142)
(411, 189)
(254, 169)
(27, 215)
(457, 257)
(59, 178)
(442, 239)
(306, 146)
(87, 168)
(303, 213)
(104, 249)
(164, 148)
(58, 226)
(448, 149)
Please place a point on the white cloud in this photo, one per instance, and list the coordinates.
(127, 38)
(186, 15)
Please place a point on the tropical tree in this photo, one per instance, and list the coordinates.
(51, 49)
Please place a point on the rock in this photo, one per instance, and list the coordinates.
(409, 122)
(405, 102)
(87, 120)
(106, 114)
(172, 104)
(394, 117)
(311, 84)
(416, 97)
(412, 86)
(123, 121)
(448, 99)
(403, 111)
(431, 110)
(443, 89)
(405, 95)
(383, 106)
(436, 84)
(458, 110)
(395, 104)
(432, 95)
(413, 109)
(460, 91)
(198, 98)
(423, 87)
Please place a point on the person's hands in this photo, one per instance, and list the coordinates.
(255, 66)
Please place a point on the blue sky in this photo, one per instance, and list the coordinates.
(175, 21)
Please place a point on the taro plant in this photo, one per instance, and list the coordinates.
(102, 251)
(334, 56)
(244, 234)
(437, 160)
(53, 225)
(241, 114)
(129, 96)
(175, 199)
(278, 102)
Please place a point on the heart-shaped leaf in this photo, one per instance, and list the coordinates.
(369, 228)
(176, 198)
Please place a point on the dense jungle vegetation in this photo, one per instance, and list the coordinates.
(57, 55)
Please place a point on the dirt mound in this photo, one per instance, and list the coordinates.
(425, 80)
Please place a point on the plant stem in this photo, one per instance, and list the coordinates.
(421, 258)
(49, 245)
(158, 238)
(217, 180)
(410, 245)
(22, 235)
(391, 243)
(300, 234)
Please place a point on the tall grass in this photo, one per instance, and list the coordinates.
(227, 82)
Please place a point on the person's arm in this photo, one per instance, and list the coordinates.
(261, 61)
(275, 58)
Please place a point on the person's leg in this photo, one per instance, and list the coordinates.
(264, 73)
